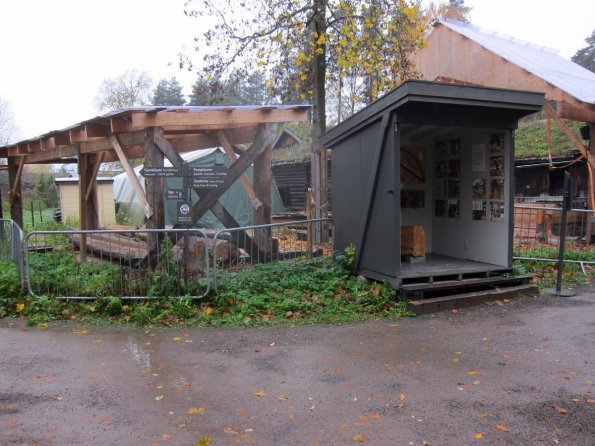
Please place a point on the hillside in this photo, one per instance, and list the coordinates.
(530, 141)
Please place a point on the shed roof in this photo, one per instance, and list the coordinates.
(541, 61)
(430, 99)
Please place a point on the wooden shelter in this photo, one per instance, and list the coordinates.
(462, 53)
(423, 184)
(155, 133)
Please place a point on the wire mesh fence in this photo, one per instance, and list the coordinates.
(79, 264)
(238, 253)
(537, 231)
(11, 242)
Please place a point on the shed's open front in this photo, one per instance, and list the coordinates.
(423, 182)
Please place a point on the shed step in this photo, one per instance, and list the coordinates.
(420, 288)
(424, 306)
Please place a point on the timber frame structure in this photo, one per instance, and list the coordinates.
(461, 53)
(155, 133)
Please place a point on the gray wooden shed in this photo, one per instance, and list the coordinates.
(433, 156)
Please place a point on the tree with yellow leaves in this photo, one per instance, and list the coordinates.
(303, 44)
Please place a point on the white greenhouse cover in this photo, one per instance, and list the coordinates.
(235, 199)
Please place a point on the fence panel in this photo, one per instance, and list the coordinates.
(237, 252)
(537, 233)
(130, 264)
(11, 243)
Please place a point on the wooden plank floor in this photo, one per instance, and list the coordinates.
(438, 266)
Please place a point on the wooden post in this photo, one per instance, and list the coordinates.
(309, 233)
(154, 191)
(88, 208)
(262, 187)
(14, 195)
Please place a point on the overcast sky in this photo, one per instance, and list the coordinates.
(54, 54)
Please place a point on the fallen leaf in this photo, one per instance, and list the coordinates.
(206, 441)
(21, 307)
(471, 372)
(283, 397)
(478, 436)
(192, 410)
(560, 410)
(177, 338)
(344, 426)
(484, 415)
(401, 397)
(359, 438)
(229, 431)
(260, 393)
(576, 400)
(272, 344)
(313, 407)
(159, 398)
(501, 427)
(360, 423)
(166, 437)
(590, 401)
(375, 416)
(240, 410)
(454, 311)
(208, 311)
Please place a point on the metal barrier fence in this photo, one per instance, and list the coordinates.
(238, 252)
(538, 230)
(130, 264)
(11, 242)
(144, 264)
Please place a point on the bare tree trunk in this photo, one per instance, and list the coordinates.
(318, 156)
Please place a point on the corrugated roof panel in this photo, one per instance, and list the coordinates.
(541, 61)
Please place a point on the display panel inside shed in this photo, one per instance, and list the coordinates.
(423, 181)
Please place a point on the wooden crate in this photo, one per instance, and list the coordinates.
(413, 241)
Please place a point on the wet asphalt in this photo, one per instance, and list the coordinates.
(509, 373)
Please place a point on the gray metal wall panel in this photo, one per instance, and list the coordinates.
(379, 253)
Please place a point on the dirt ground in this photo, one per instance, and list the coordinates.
(512, 374)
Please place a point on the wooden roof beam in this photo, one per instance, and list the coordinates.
(34, 146)
(62, 139)
(574, 113)
(97, 131)
(48, 143)
(77, 135)
(217, 117)
(120, 125)
(232, 157)
(91, 146)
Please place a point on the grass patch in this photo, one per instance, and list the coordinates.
(545, 273)
(314, 291)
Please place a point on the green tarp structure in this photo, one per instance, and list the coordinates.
(235, 199)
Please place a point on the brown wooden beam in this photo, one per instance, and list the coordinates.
(216, 117)
(121, 125)
(588, 154)
(154, 193)
(232, 157)
(96, 131)
(140, 193)
(240, 237)
(574, 113)
(77, 135)
(93, 179)
(264, 138)
(62, 139)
